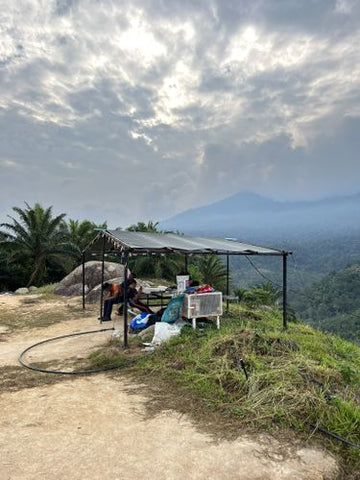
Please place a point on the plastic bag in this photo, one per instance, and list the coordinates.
(139, 322)
(205, 289)
(164, 331)
(173, 310)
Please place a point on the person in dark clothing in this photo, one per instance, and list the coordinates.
(129, 280)
(113, 296)
(133, 297)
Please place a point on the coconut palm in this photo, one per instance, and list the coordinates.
(150, 227)
(37, 239)
(157, 265)
(213, 270)
(81, 234)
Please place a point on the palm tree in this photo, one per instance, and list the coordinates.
(38, 239)
(213, 270)
(165, 266)
(240, 292)
(81, 234)
(150, 227)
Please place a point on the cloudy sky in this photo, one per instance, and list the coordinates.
(135, 110)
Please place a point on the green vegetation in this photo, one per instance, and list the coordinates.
(37, 248)
(314, 255)
(80, 235)
(333, 303)
(212, 270)
(150, 227)
(37, 239)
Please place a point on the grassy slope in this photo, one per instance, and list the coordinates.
(295, 378)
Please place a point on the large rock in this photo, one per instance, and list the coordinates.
(72, 283)
(71, 290)
(22, 291)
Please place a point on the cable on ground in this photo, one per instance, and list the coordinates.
(62, 372)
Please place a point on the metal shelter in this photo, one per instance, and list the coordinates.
(140, 243)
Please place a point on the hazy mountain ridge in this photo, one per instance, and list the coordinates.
(324, 235)
(246, 213)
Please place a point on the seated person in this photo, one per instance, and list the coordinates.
(129, 280)
(133, 297)
(113, 296)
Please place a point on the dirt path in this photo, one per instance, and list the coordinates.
(97, 427)
(75, 347)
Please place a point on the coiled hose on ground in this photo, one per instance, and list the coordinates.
(76, 372)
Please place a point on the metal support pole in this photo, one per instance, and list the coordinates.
(227, 282)
(186, 263)
(284, 255)
(83, 280)
(102, 279)
(125, 302)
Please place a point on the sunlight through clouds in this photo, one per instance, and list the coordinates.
(176, 90)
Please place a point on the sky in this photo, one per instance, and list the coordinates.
(127, 111)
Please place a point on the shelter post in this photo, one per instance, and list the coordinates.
(284, 255)
(102, 278)
(83, 279)
(125, 302)
(227, 282)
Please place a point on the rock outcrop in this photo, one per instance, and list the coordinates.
(22, 291)
(72, 284)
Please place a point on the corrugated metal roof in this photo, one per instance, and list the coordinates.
(140, 242)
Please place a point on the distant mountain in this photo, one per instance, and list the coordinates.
(247, 215)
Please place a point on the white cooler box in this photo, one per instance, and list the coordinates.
(197, 305)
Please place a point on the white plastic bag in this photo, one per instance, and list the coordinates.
(164, 331)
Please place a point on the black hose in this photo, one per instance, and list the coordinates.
(333, 435)
(60, 372)
(328, 396)
(241, 364)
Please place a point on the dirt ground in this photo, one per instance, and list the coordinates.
(98, 427)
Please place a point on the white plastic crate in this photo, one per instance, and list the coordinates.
(197, 305)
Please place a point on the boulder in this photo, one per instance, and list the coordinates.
(71, 290)
(22, 291)
(33, 288)
(72, 283)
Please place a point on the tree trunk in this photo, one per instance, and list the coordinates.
(37, 272)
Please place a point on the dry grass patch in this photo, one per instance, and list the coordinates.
(37, 311)
(13, 378)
